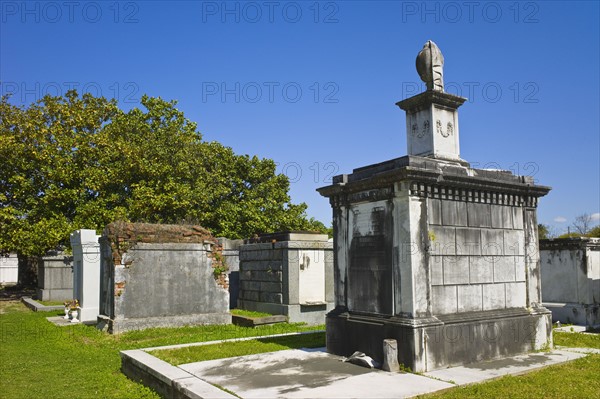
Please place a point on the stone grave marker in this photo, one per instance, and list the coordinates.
(86, 273)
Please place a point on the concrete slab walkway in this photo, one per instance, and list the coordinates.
(307, 374)
(313, 373)
(478, 372)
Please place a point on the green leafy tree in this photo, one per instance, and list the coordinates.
(582, 224)
(595, 232)
(582, 227)
(80, 162)
(543, 232)
(570, 235)
(45, 152)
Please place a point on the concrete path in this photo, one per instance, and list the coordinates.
(478, 372)
(315, 374)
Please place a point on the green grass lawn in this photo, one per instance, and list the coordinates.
(51, 303)
(230, 349)
(577, 379)
(249, 313)
(39, 359)
(577, 340)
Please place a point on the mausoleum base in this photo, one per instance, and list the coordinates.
(575, 313)
(309, 314)
(120, 325)
(426, 344)
(54, 294)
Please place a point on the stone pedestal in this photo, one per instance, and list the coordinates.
(390, 355)
(288, 274)
(432, 125)
(439, 256)
(86, 273)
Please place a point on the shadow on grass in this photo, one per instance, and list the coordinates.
(224, 350)
(16, 292)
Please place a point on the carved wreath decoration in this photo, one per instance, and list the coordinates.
(449, 128)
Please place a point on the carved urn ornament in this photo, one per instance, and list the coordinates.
(430, 66)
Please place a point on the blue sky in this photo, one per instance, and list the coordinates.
(313, 85)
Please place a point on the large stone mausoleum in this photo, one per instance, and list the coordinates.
(433, 253)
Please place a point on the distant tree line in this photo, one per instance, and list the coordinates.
(72, 162)
(582, 227)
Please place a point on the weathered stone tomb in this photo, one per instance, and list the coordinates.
(433, 253)
(55, 277)
(160, 276)
(9, 269)
(288, 273)
(571, 279)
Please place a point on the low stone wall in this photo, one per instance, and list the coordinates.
(55, 278)
(167, 380)
(160, 276)
(570, 270)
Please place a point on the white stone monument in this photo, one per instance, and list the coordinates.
(441, 257)
(432, 116)
(86, 273)
(9, 269)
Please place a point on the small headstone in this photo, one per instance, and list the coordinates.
(390, 355)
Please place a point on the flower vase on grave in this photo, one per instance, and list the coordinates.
(66, 317)
(74, 315)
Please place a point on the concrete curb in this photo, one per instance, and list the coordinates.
(587, 351)
(38, 307)
(167, 380)
(246, 321)
(514, 365)
(173, 382)
(220, 341)
(176, 382)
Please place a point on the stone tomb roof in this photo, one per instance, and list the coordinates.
(438, 179)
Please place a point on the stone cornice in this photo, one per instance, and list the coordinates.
(434, 179)
(429, 97)
(573, 243)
